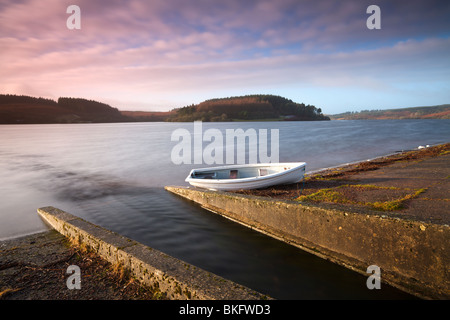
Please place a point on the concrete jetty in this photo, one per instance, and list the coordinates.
(411, 243)
(177, 279)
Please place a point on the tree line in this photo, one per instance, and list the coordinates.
(26, 109)
(250, 107)
(13, 99)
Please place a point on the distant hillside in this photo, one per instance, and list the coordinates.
(148, 116)
(16, 109)
(248, 108)
(432, 112)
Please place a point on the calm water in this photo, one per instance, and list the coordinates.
(113, 175)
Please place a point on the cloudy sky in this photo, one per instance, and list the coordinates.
(161, 54)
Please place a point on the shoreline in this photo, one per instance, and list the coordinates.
(364, 175)
(228, 121)
(321, 170)
(377, 158)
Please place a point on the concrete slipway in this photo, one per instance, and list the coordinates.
(411, 246)
(177, 279)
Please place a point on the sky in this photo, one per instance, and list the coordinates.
(156, 55)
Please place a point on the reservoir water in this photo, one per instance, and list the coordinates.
(113, 175)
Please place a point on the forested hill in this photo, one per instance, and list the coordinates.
(248, 108)
(432, 112)
(16, 109)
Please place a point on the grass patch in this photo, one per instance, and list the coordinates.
(348, 194)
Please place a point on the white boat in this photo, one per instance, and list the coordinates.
(247, 176)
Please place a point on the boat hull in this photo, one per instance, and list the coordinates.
(265, 175)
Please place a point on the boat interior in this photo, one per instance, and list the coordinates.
(238, 173)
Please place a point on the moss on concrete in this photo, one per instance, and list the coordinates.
(339, 195)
